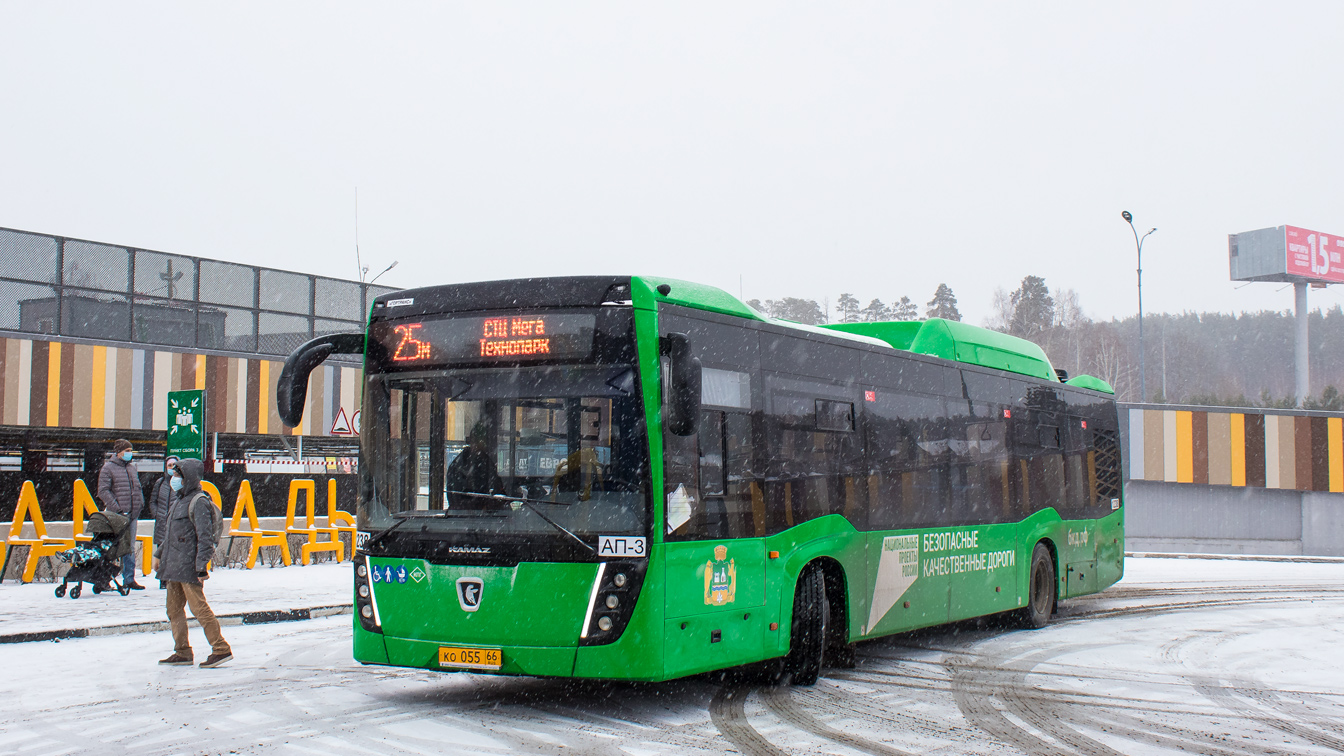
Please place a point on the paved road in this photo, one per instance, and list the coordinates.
(1213, 667)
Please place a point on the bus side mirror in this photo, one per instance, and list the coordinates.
(292, 389)
(683, 405)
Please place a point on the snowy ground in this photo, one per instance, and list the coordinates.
(1193, 656)
(34, 608)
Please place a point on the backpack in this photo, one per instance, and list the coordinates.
(216, 533)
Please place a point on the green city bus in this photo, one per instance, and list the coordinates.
(643, 478)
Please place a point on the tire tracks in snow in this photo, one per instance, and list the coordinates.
(976, 682)
(1232, 697)
(781, 702)
(727, 710)
(1248, 699)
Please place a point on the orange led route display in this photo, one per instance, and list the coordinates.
(511, 337)
(410, 348)
(485, 339)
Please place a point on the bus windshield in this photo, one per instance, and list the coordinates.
(546, 451)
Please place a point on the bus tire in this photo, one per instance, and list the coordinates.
(839, 651)
(807, 639)
(1041, 590)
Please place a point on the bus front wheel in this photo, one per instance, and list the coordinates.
(811, 616)
(1041, 590)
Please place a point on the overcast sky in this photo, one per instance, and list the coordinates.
(804, 149)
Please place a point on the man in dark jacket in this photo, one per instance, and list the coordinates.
(161, 498)
(119, 490)
(473, 471)
(181, 559)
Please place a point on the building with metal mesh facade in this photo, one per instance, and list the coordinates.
(71, 288)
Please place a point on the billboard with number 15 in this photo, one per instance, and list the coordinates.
(1312, 254)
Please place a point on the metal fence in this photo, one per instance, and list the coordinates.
(76, 288)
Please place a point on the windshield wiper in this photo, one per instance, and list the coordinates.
(530, 504)
(402, 518)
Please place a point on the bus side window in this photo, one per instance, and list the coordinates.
(982, 493)
(813, 458)
(1077, 481)
(908, 456)
(744, 489)
(712, 476)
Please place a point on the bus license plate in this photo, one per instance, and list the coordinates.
(470, 658)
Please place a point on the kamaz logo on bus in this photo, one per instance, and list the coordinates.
(467, 549)
(469, 590)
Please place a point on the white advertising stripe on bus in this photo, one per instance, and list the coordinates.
(897, 570)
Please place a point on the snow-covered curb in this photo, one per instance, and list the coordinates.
(243, 618)
(1236, 557)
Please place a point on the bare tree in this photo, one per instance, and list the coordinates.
(1109, 360)
(1068, 310)
(1000, 311)
(1064, 339)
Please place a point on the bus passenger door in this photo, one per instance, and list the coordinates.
(715, 577)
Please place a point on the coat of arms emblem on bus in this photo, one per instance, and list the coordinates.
(720, 578)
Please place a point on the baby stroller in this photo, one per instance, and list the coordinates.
(98, 562)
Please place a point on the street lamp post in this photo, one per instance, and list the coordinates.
(380, 275)
(1138, 244)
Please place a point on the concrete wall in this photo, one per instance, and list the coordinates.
(1220, 480)
(1207, 519)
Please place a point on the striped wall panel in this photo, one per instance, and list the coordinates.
(60, 384)
(1292, 452)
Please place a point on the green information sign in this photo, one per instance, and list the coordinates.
(186, 424)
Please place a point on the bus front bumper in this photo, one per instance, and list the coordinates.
(515, 660)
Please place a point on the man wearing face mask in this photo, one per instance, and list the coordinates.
(181, 560)
(119, 490)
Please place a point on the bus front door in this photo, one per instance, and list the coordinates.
(715, 581)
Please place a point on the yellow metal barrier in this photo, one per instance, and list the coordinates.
(309, 489)
(246, 506)
(39, 546)
(84, 505)
(341, 522)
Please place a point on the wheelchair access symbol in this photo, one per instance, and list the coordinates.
(388, 575)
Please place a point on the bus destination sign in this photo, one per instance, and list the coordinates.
(495, 338)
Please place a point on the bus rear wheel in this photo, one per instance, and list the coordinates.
(807, 640)
(1041, 590)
